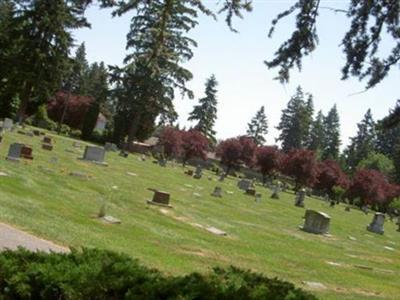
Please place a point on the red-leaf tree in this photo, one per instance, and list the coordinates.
(235, 151)
(75, 108)
(194, 145)
(171, 140)
(249, 148)
(268, 159)
(370, 186)
(329, 175)
(301, 165)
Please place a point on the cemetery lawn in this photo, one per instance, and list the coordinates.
(42, 198)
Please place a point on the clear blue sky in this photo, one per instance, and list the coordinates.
(245, 84)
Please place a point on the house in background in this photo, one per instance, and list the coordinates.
(101, 123)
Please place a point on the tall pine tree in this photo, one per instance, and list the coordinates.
(331, 141)
(206, 112)
(42, 29)
(316, 140)
(362, 144)
(258, 127)
(158, 47)
(295, 122)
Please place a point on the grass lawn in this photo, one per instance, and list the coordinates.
(41, 197)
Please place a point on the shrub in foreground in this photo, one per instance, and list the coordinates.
(98, 274)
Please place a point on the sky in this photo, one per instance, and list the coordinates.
(245, 83)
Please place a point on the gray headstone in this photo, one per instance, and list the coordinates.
(300, 196)
(376, 225)
(258, 197)
(316, 222)
(275, 192)
(221, 177)
(245, 184)
(94, 154)
(8, 124)
(198, 173)
(217, 192)
(110, 147)
(14, 152)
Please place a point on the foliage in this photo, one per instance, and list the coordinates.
(330, 175)
(98, 274)
(331, 139)
(206, 112)
(41, 31)
(41, 119)
(295, 122)
(362, 144)
(248, 150)
(338, 193)
(268, 159)
(317, 132)
(378, 162)
(230, 151)
(361, 43)
(372, 187)
(98, 90)
(194, 145)
(301, 165)
(74, 106)
(170, 139)
(258, 127)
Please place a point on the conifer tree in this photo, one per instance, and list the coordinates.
(98, 90)
(206, 112)
(43, 31)
(331, 141)
(158, 46)
(258, 127)
(295, 122)
(316, 141)
(362, 144)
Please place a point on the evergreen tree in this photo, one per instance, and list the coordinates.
(362, 144)
(331, 141)
(258, 127)
(295, 122)
(42, 29)
(316, 141)
(158, 43)
(98, 91)
(206, 112)
(80, 72)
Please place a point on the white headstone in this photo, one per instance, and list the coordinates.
(316, 222)
(8, 124)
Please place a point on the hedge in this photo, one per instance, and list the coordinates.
(99, 274)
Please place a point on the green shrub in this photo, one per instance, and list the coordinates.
(99, 274)
(75, 133)
(65, 129)
(40, 119)
(338, 193)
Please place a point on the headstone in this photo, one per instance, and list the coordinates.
(79, 174)
(332, 203)
(142, 157)
(108, 146)
(14, 152)
(47, 140)
(316, 222)
(162, 162)
(275, 192)
(364, 208)
(251, 191)
(94, 154)
(221, 177)
(48, 147)
(189, 172)
(160, 198)
(300, 196)
(376, 225)
(30, 134)
(26, 152)
(76, 145)
(110, 220)
(8, 124)
(347, 208)
(258, 197)
(123, 153)
(36, 132)
(244, 184)
(198, 173)
(217, 192)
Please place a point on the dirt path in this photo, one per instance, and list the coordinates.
(11, 238)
